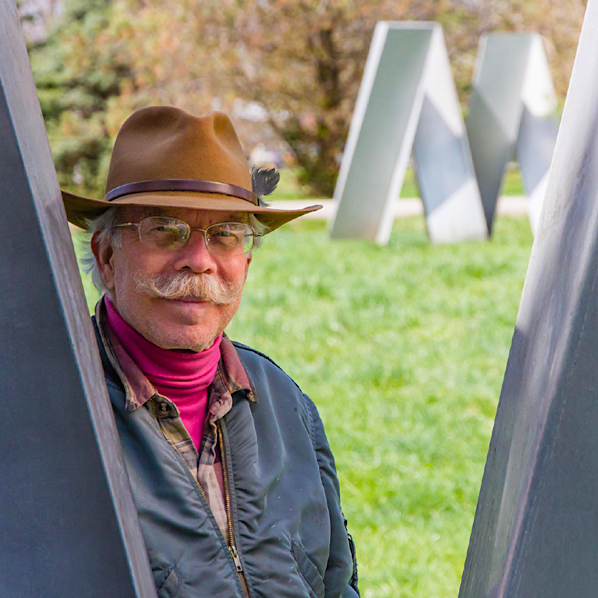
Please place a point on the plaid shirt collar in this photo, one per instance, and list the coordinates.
(231, 375)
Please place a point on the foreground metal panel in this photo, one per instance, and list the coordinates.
(512, 114)
(407, 99)
(534, 534)
(68, 526)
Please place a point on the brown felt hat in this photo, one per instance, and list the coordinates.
(166, 157)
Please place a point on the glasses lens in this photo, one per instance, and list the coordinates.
(163, 233)
(229, 238)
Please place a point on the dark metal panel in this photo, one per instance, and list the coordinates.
(534, 534)
(68, 526)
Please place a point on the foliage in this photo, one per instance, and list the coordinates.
(290, 66)
(403, 349)
(78, 74)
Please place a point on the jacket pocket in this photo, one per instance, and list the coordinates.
(168, 584)
(308, 571)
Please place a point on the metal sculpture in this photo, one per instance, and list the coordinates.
(534, 534)
(512, 115)
(407, 99)
(68, 525)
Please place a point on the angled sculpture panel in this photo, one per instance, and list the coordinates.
(534, 534)
(407, 100)
(68, 526)
(512, 116)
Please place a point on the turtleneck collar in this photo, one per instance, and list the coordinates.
(173, 373)
(182, 376)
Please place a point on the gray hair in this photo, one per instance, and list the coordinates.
(108, 234)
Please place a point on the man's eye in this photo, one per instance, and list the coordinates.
(164, 235)
(163, 228)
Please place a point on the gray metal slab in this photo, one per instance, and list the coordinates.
(407, 81)
(534, 534)
(495, 111)
(68, 525)
(512, 114)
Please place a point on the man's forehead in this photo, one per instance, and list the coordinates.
(137, 213)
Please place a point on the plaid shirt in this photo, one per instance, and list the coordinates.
(205, 465)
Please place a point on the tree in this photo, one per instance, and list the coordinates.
(300, 61)
(77, 74)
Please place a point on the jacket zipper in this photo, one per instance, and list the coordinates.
(231, 538)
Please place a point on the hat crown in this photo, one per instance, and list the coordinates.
(164, 142)
(165, 157)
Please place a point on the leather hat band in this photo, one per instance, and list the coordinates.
(182, 185)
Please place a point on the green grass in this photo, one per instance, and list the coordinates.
(512, 183)
(288, 188)
(403, 349)
(410, 187)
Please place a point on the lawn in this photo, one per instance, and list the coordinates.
(403, 348)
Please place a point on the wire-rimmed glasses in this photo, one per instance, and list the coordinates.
(170, 234)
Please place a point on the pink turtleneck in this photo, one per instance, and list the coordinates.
(183, 377)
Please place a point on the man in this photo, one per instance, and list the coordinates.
(229, 465)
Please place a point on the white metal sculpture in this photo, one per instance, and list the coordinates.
(512, 115)
(407, 100)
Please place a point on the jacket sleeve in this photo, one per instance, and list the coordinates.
(340, 578)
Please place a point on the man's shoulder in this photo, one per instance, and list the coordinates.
(274, 387)
(258, 363)
(241, 347)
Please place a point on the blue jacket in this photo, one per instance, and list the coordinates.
(284, 498)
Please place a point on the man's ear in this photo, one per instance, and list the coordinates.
(103, 253)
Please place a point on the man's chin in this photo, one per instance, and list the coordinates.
(195, 345)
(181, 334)
(195, 349)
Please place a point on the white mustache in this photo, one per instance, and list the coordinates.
(205, 287)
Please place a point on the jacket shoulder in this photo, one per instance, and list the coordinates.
(252, 358)
(273, 384)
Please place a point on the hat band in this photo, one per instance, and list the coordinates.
(182, 185)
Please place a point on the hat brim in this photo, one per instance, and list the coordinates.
(80, 210)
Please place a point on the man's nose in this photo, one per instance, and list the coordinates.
(195, 255)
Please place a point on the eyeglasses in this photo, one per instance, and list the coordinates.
(169, 234)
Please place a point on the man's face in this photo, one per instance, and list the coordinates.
(185, 323)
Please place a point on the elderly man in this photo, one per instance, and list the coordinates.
(230, 469)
